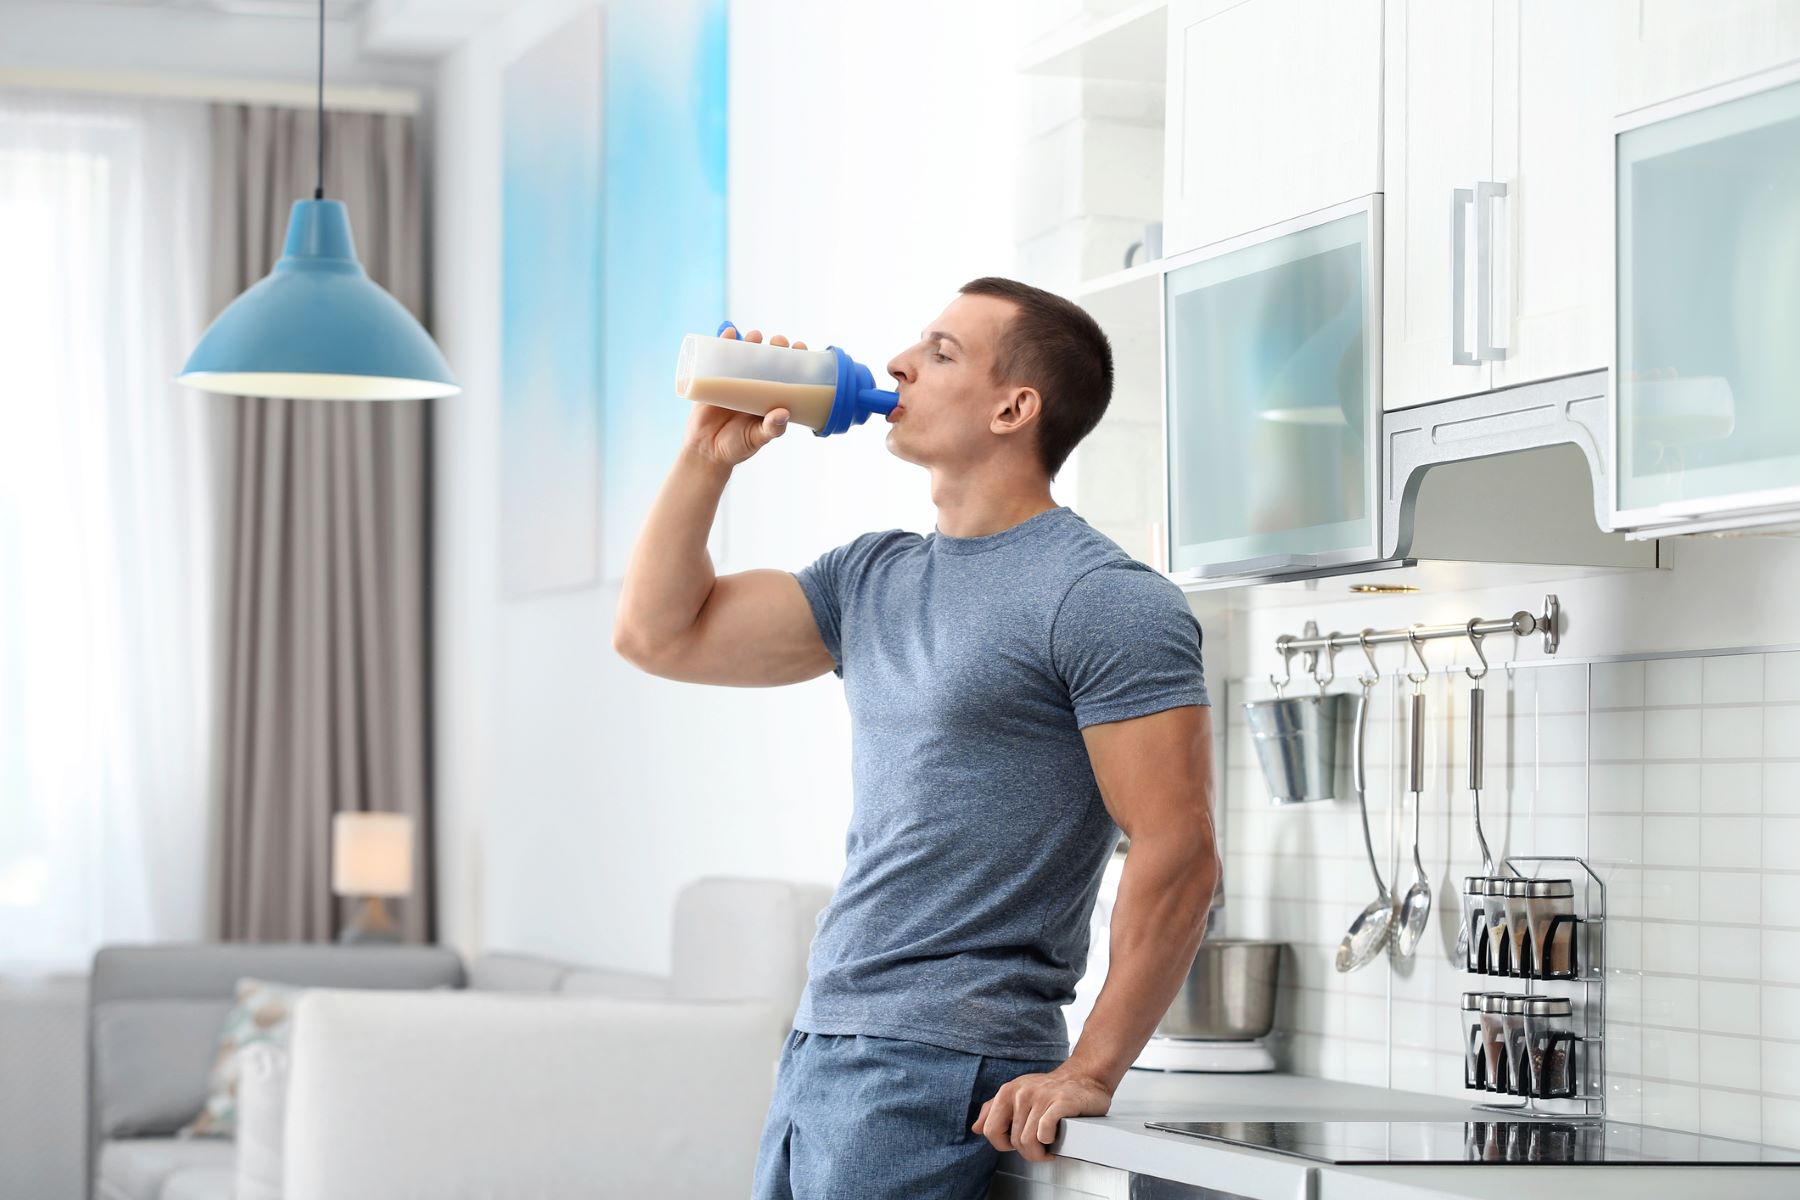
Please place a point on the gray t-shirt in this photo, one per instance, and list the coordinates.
(977, 836)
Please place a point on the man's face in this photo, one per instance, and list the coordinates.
(948, 396)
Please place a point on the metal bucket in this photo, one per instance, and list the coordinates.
(1297, 740)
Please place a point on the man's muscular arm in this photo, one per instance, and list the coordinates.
(1156, 777)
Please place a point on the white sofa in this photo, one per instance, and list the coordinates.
(538, 1079)
(484, 1095)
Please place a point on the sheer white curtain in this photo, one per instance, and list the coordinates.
(106, 592)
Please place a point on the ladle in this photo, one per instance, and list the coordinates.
(1415, 909)
(1370, 931)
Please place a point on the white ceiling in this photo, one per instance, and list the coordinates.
(393, 42)
(336, 10)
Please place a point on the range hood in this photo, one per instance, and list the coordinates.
(1489, 490)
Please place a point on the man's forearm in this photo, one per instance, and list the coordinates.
(670, 573)
(1157, 922)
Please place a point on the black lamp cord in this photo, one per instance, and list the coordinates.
(319, 119)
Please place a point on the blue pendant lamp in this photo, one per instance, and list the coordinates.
(317, 327)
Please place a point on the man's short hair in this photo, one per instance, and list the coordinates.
(1054, 345)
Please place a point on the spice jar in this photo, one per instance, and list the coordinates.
(1518, 928)
(1493, 1040)
(1493, 904)
(1550, 911)
(1475, 916)
(1518, 1057)
(1551, 1047)
(1474, 1058)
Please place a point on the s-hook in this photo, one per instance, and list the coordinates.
(1282, 644)
(1330, 664)
(1475, 641)
(1418, 681)
(1374, 675)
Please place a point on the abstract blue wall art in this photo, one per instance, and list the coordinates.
(664, 268)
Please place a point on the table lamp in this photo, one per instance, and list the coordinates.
(371, 858)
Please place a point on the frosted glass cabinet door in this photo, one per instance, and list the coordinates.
(1707, 375)
(1272, 397)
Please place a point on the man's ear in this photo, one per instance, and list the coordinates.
(1023, 407)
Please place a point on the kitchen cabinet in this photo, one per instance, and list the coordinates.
(1553, 71)
(1669, 48)
(1498, 121)
(1271, 393)
(1709, 298)
(1439, 142)
(1274, 111)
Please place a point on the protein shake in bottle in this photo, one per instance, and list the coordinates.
(825, 390)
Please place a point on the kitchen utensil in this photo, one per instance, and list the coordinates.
(1229, 992)
(1477, 707)
(1369, 932)
(1415, 909)
(1550, 910)
(1474, 1045)
(1296, 741)
(1225, 1006)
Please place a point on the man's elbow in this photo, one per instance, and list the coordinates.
(630, 644)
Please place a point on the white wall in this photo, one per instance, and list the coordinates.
(871, 170)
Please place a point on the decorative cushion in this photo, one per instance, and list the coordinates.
(261, 1015)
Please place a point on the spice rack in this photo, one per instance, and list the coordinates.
(1545, 1044)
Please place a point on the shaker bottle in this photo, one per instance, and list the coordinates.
(825, 390)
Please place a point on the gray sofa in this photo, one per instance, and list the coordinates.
(154, 1017)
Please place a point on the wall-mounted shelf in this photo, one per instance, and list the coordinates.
(1101, 286)
(1129, 46)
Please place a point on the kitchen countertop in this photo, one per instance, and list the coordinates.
(1120, 1140)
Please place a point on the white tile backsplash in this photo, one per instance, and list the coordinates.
(1617, 685)
(1672, 681)
(1671, 787)
(1730, 1007)
(1730, 952)
(1672, 842)
(1781, 677)
(1781, 730)
(1671, 733)
(1731, 679)
(1731, 1062)
(1678, 778)
(1731, 732)
(1670, 949)
(1730, 841)
(1731, 787)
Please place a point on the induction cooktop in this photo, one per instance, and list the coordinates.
(1536, 1141)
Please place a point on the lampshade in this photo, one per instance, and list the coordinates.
(318, 328)
(371, 854)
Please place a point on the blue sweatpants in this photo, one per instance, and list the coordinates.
(856, 1117)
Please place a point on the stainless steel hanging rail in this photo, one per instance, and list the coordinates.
(1520, 624)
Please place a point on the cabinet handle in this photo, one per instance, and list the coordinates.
(1461, 200)
(1261, 565)
(1485, 194)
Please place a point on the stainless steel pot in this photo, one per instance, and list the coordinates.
(1229, 992)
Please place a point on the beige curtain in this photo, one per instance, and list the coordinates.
(324, 631)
